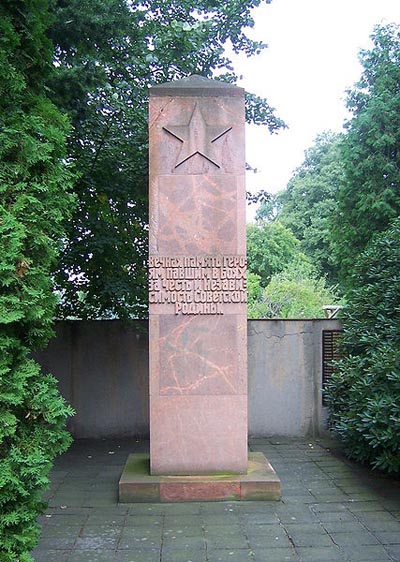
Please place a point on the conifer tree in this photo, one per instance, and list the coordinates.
(34, 204)
(369, 197)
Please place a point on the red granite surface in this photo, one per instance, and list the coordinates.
(198, 392)
(137, 485)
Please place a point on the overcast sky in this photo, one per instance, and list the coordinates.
(311, 60)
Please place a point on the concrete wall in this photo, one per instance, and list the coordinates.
(285, 376)
(102, 368)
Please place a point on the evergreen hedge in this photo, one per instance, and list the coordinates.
(364, 393)
(34, 205)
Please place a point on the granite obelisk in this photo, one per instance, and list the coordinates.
(197, 268)
(197, 296)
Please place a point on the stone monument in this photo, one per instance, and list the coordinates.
(197, 302)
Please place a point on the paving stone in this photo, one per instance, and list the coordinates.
(276, 555)
(229, 555)
(343, 526)
(67, 500)
(134, 542)
(347, 481)
(217, 508)
(291, 486)
(374, 506)
(225, 530)
(362, 496)
(356, 539)
(101, 500)
(146, 509)
(89, 556)
(387, 537)
(142, 532)
(259, 531)
(322, 488)
(144, 521)
(297, 518)
(269, 542)
(235, 531)
(227, 517)
(185, 531)
(137, 555)
(183, 520)
(311, 539)
(394, 552)
(305, 498)
(57, 543)
(189, 531)
(383, 517)
(337, 516)
(331, 498)
(69, 511)
(328, 507)
(66, 519)
(254, 507)
(352, 488)
(183, 543)
(96, 542)
(324, 554)
(376, 525)
(227, 542)
(183, 556)
(366, 553)
(61, 531)
(106, 519)
(258, 518)
(47, 555)
(302, 515)
(335, 468)
(184, 508)
(296, 528)
(392, 505)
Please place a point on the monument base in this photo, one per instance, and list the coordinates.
(137, 485)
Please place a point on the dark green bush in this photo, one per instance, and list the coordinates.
(34, 204)
(364, 393)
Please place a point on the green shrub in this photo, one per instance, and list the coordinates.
(364, 393)
(295, 292)
(34, 204)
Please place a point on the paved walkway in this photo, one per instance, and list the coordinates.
(330, 510)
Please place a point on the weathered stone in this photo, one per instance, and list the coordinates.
(197, 282)
(259, 483)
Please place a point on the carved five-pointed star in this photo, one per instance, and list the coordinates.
(197, 137)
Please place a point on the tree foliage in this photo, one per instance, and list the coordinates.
(308, 206)
(34, 202)
(369, 197)
(298, 292)
(364, 393)
(270, 248)
(295, 292)
(282, 280)
(348, 187)
(107, 55)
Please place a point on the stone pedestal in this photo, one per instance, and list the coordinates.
(197, 283)
(260, 483)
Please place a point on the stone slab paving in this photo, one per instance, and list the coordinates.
(331, 510)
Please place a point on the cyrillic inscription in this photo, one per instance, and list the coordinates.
(197, 284)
